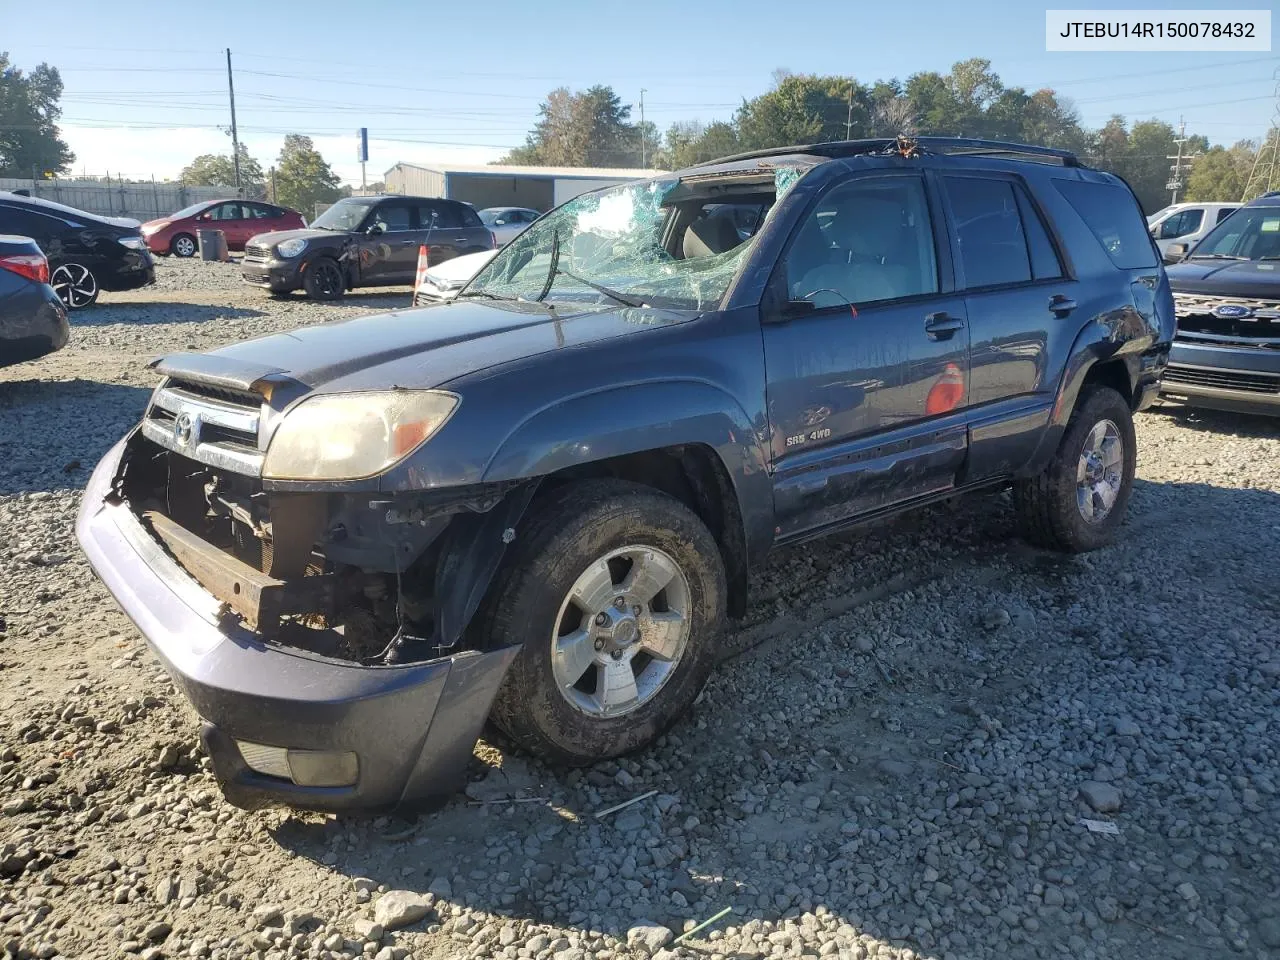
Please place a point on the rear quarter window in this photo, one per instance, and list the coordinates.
(470, 218)
(1112, 214)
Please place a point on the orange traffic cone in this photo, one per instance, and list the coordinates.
(424, 254)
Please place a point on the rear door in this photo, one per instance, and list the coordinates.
(1022, 305)
(230, 219)
(453, 232)
(866, 391)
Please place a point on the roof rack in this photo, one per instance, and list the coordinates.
(912, 146)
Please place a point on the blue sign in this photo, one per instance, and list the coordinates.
(362, 145)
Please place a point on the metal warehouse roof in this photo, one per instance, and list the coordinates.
(498, 170)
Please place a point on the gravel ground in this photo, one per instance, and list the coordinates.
(905, 762)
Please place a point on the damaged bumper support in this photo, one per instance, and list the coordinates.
(282, 725)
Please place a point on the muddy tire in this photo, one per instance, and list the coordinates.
(616, 593)
(1079, 501)
(324, 279)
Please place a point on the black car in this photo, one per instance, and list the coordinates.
(1226, 353)
(87, 253)
(363, 242)
(33, 320)
(538, 502)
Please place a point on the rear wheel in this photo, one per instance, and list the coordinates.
(616, 594)
(323, 279)
(75, 285)
(183, 245)
(1080, 499)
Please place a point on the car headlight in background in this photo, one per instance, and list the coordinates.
(133, 243)
(150, 228)
(291, 248)
(348, 436)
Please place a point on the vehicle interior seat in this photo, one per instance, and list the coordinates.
(709, 237)
(873, 258)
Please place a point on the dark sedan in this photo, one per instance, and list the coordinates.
(87, 253)
(1226, 353)
(33, 320)
(363, 242)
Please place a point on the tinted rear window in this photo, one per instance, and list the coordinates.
(470, 218)
(1112, 214)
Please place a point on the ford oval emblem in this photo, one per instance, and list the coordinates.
(1231, 311)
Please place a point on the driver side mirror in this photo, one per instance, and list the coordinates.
(374, 229)
(1175, 252)
(499, 223)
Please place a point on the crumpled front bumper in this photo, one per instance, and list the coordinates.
(411, 727)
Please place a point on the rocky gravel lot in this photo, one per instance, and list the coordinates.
(909, 759)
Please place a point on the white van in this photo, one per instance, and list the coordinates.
(1187, 222)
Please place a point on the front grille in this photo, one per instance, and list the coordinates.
(1223, 379)
(1201, 319)
(211, 424)
(254, 251)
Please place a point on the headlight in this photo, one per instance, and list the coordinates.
(348, 436)
(133, 243)
(291, 248)
(150, 228)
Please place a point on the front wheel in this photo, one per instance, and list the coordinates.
(183, 245)
(75, 285)
(1079, 501)
(615, 593)
(323, 279)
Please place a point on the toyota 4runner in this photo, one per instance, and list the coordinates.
(538, 503)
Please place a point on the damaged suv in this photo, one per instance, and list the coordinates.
(537, 503)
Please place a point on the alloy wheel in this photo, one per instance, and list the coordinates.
(621, 631)
(184, 247)
(75, 285)
(1099, 472)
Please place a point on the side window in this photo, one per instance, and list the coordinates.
(392, 217)
(471, 219)
(258, 211)
(1112, 215)
(1045, 264)
(866, 240)
(1181, 223)
(1225, 212)
(15, 220)
(447, 216)
(993, 248)
(225, 211)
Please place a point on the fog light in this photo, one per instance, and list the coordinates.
(319, 768)
(258, 757)
(307, 768)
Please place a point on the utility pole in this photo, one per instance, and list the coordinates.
(1175, 172)
(644, 136)
(848, 120)
(1265, 172)
(235, 138)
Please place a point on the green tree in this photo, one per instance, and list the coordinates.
(692, 142)
(804, 109)
(216, 169)
(1221, 172)
(303, 179)
(29, 112)
(588, 129)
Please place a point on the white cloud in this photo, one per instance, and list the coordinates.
(163, 152)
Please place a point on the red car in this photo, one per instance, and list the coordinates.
(238, 219)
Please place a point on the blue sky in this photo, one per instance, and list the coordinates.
(462, 81)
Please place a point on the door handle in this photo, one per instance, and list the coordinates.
(1060, 305)
(406, 243)
(941, 325)
(459, 239)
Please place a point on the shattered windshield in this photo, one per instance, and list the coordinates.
(652, 243)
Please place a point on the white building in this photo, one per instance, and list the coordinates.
(488, 185)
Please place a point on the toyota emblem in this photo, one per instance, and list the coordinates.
(184, 429)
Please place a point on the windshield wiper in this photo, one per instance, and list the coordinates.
(601, 288)
(1216, 256)
(554, 267)
(484, 293)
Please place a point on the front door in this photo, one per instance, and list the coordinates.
(389, 251)
(866, 390)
